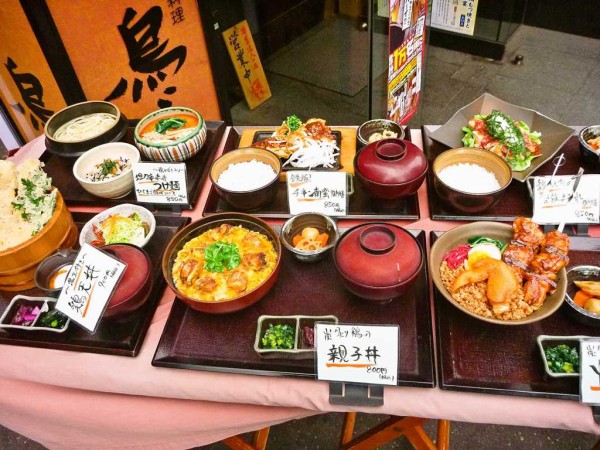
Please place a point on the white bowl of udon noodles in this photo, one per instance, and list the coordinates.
(171, 134)
(77, 128)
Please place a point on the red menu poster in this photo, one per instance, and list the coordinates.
(407, 54)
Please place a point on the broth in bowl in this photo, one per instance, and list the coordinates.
(169, 129)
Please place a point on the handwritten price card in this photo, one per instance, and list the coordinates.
(324, 192)
(160, 183)
(551, 199)
(589, 367)
(89, 286)
(365, 354)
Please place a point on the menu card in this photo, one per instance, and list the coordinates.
(365, 354)
(553, 199)
(90, 283)
(589, 366)
(160, 183)
(323, 192)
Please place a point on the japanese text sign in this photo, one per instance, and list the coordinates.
(365, 354)
(553, 199)
(324, 192)
(454, 15)
(89, 285)
(245, 59)
(589, 367)
(160, 183)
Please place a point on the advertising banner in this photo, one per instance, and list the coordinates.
(454, 15)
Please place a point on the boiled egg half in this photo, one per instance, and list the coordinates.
(482, 251)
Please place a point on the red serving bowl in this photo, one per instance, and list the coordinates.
(195, 229)
(135, 285)
(378, 261)
(390, 169)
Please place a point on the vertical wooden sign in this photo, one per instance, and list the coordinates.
(246, 62)
(27, 86)
(142, 57)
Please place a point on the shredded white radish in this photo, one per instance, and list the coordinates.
(314, 153)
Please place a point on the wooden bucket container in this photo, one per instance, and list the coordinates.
(18, 264)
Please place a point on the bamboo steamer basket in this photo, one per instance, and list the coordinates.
(18, 264)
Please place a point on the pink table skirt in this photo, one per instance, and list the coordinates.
(82, 400)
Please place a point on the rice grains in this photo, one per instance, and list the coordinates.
(246, 176)
(470, 178)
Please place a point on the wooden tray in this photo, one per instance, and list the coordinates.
(121, 336)
(225, 343)
(476, 356)
(61, 172)
(516, 201)
(360, 205)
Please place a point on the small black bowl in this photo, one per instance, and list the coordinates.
(588, 154)
(78, 148)
(381, 126)
(48, 267)
(578, 313)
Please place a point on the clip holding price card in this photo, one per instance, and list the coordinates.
(355, 394)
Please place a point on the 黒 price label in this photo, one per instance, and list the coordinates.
(365, 354)
(323, 192)
(589, 369)
(160, 182)
(89, 285)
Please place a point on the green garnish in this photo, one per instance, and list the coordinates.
(107, 167)
(280, 336)
(502, 127)
(220, 255)
(54, 319)
(562, 359)
(475, 240)
(162, 126)
(293, 122)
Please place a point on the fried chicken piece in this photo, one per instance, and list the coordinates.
(480, 271)
(206, 284)
(237, 281)
(255, 261)
(518, 255)
(527, 232)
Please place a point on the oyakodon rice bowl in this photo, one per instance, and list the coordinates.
(473, 297)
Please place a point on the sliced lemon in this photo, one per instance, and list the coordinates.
(482, 251)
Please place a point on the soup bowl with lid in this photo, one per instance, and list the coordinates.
(464, 178)
(171, 134)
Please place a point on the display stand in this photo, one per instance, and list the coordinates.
(355, 394)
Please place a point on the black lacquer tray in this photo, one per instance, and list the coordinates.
(120, 336)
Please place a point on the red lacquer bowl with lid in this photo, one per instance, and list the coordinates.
(378, 261)
(390, 169)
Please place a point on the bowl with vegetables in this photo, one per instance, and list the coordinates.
(378, 129)
(172, 134)
(470, 180)
(589, 144)
(223, 263)
(121, 224)
(309, 236)
(560, 355)
(107, 170)
(583, 294)
(80, 127)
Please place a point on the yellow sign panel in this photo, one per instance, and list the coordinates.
(246, 62)
(142, 57)
(27, 85)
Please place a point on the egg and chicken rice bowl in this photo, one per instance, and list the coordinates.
(223, 263)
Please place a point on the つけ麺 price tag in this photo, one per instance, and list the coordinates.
(366, 354)
(160, 183)
(90, 283)
(323, 192)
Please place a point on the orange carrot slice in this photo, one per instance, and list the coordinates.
(581, 297)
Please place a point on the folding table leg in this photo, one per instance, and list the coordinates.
(259, 441)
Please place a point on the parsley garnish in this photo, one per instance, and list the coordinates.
(220, 255)
(107, 167)
(162, 126)
(293, 122)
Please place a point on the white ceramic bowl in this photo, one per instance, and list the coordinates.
(115, 187)
(87, 234)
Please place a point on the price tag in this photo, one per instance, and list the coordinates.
(160, 183)
(551, 199)
(89, 286)
(366, 354)
(589, 368)
(313, 191)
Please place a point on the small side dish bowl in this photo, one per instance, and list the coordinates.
(581, 273)
(378, 261)
(471, 201)
(495, 230)
(75, 147)
(171, 143)
(378, 129)
(295, 225)
(544, 342)
(87, 235)
(114, 186)
(135, 285)
(390, 169)
(26, 313)
(589, 153)
(51, 273)
(251, 198)
(194, 229)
